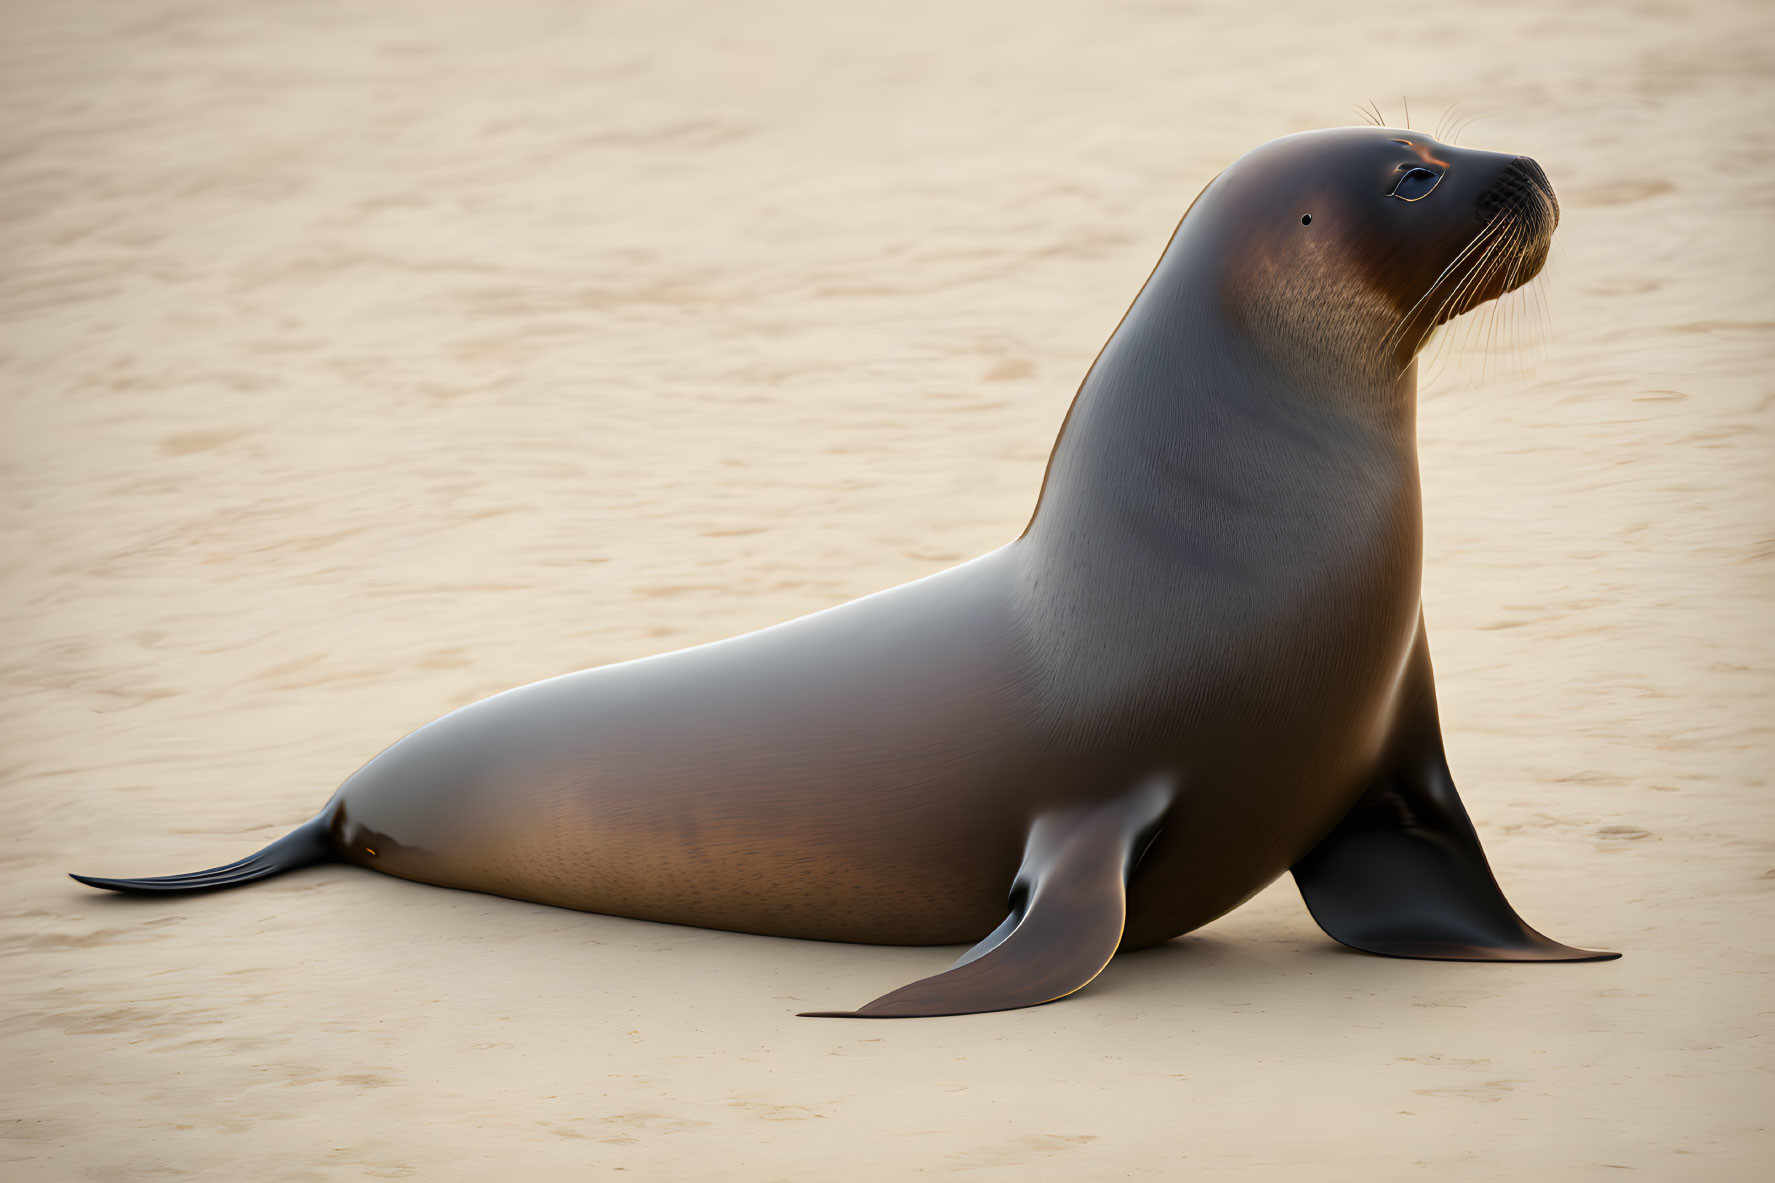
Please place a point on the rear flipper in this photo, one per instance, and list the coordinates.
(1403, 874)
(304, 846)
(1068, 907)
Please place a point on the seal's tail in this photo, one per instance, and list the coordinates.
(304, 846)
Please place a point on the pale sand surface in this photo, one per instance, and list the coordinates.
(363, 360)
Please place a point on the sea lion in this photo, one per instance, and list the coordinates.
(1202, 664)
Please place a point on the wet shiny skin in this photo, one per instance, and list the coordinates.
(1201, 665)
(1220, 586)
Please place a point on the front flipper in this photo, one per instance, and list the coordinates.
(1403, 874)
(1067, 911)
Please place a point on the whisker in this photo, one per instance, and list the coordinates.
(1536, 347)
(1463, 125)
(1442, 124)
(1487, 320)
(1490, 231)
(1488, 323)
(1519, 318)
(1496, 313)
(1546, 318)
(1543, 316)
(1453, 263)
(1469, 328)
(1501, 312)
(1468, 282)
(1450, 299)
(1513, 334)
(1478, 277)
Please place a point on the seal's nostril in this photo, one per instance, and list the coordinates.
(1534, 172)
(1523, 191)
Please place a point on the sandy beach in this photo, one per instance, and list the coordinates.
(359, 361)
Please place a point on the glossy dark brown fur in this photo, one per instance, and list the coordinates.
(1205, 649)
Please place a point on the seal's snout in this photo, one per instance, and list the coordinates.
(1518, 213)
(1523, 192)
(1538, 178)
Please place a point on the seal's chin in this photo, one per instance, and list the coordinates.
(1518, 214)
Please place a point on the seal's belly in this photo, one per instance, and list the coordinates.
(1269, 759)
(1210, 860)
(1263, 779)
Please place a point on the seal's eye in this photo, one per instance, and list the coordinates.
(1415, 184)
(1306, 219)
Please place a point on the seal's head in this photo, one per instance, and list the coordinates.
(1349, 246)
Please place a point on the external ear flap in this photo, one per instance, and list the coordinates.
(1068, 910)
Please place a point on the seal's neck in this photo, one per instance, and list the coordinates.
(1190, 406)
